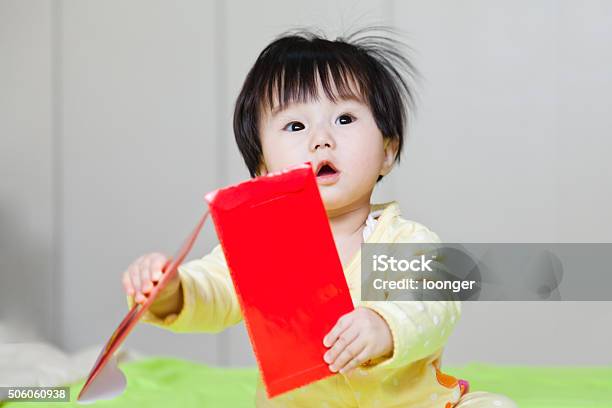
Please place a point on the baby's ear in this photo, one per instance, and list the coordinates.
(391, 146)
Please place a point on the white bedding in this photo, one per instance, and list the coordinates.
(42, 364)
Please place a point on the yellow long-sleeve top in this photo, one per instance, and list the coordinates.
(411, 376)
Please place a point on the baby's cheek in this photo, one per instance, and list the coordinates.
(367, 161)
(364, 176)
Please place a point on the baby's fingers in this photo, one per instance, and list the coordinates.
(345, 340)
(342, 324)
(157, 264)
(146, 284)
(359, 359)
(134, 275)
(350, 353)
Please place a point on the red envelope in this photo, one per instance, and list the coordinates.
(283, 262)
(101, 367)
(286, 271)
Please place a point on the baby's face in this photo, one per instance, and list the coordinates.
(341, 140)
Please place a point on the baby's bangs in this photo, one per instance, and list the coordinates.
(297, 80)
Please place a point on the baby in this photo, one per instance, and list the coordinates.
(342, 105)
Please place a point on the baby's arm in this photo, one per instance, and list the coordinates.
(418, 328)
(409, 330)
(390, 334)
(203, 298)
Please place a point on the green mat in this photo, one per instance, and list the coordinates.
(166, 382)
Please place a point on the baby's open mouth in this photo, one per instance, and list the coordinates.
(327, 173)
(326, 168)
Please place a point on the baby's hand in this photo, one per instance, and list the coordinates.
(357, 337)
(139, 277)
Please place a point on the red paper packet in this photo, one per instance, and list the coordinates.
(280, 215)
(136, 312)
(286, 271)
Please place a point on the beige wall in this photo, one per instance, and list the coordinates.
(27, 182)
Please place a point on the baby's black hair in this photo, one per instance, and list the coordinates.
(291, 65)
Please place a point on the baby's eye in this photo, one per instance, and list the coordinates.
(345, 119)
(294, 126)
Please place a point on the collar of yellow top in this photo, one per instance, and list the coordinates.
(390, 210)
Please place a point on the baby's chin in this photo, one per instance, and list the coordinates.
(335, 201)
